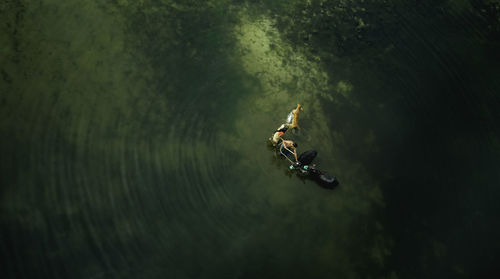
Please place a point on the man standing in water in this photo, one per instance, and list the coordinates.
(287, 148)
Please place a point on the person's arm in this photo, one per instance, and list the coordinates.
(295, 154)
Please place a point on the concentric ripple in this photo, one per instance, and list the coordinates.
(133, 139)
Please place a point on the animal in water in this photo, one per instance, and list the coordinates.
(293, 117)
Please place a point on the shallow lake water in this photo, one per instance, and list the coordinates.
(134, 139)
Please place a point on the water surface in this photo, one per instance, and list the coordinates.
(134, 139)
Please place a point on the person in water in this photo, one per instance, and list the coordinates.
(278, 135)
(290, 148)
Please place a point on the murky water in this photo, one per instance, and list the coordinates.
(134, 133)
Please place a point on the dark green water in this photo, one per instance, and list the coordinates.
(133, 139)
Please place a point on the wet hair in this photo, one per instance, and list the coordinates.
(295, 144)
